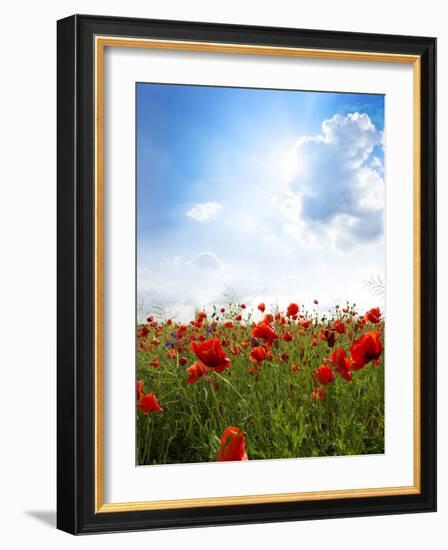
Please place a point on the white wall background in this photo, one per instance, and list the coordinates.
(27, 272)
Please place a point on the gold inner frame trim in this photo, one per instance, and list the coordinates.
(101, 42)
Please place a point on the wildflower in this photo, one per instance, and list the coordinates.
(342, 363)
(211, 354)
(257, 355)
(261, 307)
(265, 331)
(140, 384)
(253, 371)
(373, 315)
(233, 445)
(329, 336)
(287, 337)
(201, 316)
(293, 309)
(148, 403)
(339, 326)
(319, 394)
(235, 350)
(155, 363)
(367, 348)
(324, 375)
(183, 361)
(196, 371)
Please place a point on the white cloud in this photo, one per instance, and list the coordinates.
(207, 261)
(336, 199)
(203, 211)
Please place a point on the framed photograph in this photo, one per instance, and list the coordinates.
(246, 274)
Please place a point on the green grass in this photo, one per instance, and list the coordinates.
(275, 410)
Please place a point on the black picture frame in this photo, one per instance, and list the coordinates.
(76, 271)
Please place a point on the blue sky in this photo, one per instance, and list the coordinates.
(276, 195)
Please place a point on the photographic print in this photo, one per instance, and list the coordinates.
(260, 274)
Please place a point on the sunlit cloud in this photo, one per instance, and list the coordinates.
(201, 212)
(337, 197)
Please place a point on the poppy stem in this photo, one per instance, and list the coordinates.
(233, 387)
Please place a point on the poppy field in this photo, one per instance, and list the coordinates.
(251, 383)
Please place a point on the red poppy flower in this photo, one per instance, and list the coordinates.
(265, 331)
(306, 324)
(367, 348)
(257, 355)
(329, 336)
(339, 326)
(293, 309)
(211, 354)
(243, 306)
(195, 371)
(283, 357)
(148, 403)
(287, 337)
(183, 361)
(373, 315)
(144, 331)
(253, 370)
(315, 302)
(222, 310)
(235, 350)
(140, 384)
(155, 363)
(342, 363)
(201, 316)
(233, 445)
(238, 317)
(269, 318)
(324, 374)
(319, 394)
(295, 368)
(261, 307)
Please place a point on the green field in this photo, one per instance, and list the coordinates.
(282, 406)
